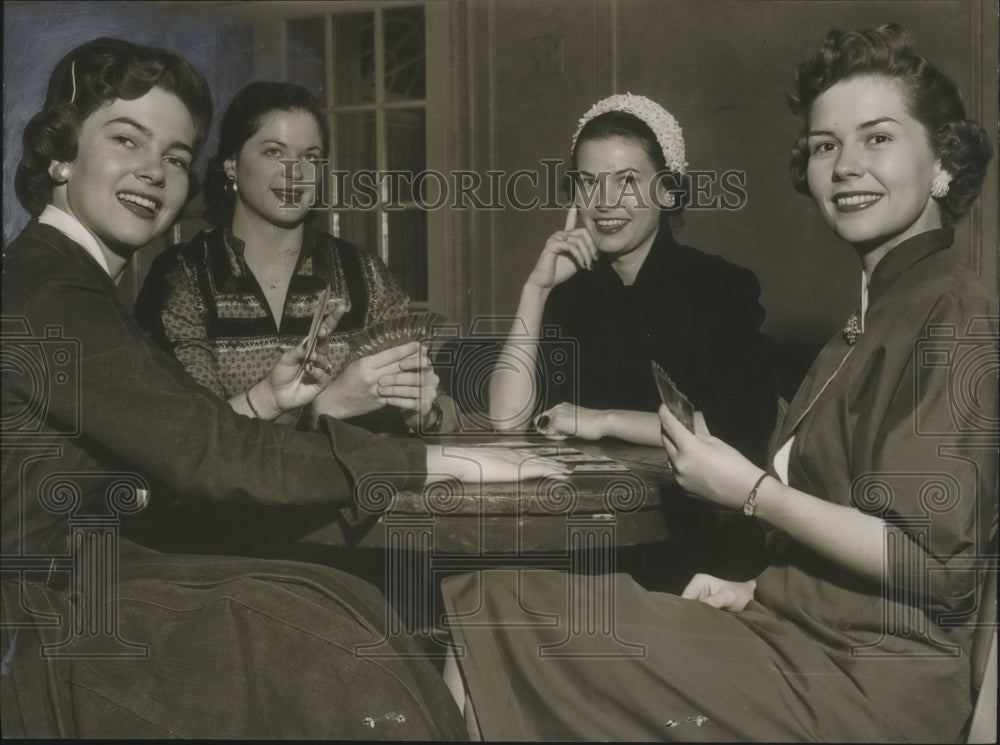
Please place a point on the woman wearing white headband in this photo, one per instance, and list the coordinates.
(616, 281)
(881, 496)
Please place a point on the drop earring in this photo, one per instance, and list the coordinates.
(232, 185)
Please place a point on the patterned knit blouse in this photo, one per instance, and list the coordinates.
(202, 303)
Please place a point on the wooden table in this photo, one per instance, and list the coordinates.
(575, 525)
(520, 518)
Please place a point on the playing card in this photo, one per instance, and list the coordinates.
(392, 332)
(582, 458)
(502, 444)
(599, 468)
(550, 450)
(675, 401)
(316, 324)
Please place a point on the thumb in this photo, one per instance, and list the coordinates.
(673, 428)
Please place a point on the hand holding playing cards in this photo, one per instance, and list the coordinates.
(706, 466)
(356, 390)
(296, 379)
(414, 387)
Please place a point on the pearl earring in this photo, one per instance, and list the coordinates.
(232, 184)
(59, 172)
(940, 188)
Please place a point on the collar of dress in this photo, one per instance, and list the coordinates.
(904, 256)
(235, 247)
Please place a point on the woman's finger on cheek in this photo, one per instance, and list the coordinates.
(588, 241)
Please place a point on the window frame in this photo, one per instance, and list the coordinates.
(269, 35)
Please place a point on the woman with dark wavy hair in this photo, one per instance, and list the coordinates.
(104, 638)
(880, 490)
(229, 302)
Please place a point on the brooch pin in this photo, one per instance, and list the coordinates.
(852, 330)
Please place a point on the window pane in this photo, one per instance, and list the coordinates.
(408, 251)
(359, 227)
(406, 150)
(354, 58)
(305, 50)
(354, 152)
(404, 54)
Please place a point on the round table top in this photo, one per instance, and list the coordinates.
(532, 515)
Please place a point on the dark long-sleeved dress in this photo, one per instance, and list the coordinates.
(695, 314)
(235, 647)
(902, 425)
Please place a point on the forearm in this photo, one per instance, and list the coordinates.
(640, 427)
(841, 534)
(512, 388)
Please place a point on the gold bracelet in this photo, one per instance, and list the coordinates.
(750, 506)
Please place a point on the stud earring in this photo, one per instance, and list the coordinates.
(940, 188)
(59, 172)
(666, 199)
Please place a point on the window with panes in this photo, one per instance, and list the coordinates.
(368, 68)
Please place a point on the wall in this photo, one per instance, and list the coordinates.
(722, 68)
(527, 70)
(38, 34)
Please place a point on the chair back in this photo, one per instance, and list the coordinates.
(983, 725)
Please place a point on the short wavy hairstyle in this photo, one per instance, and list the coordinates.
(88, 78)
(243, 117)
(962, 146)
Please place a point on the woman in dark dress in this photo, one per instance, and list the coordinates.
(101, 637)
(880, 491)
(627, 293)
(229, 302)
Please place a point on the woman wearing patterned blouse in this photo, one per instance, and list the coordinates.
(229, 302)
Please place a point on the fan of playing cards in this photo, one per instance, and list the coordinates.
(416, 326)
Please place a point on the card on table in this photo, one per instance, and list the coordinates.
(599, 468)
(582, 458)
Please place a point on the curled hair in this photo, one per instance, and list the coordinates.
(933, 99)
(243, 117)
(630, 127)
(88, 78)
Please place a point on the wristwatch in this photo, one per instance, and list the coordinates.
(433, 419)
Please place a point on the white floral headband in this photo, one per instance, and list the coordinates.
(665, 127)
